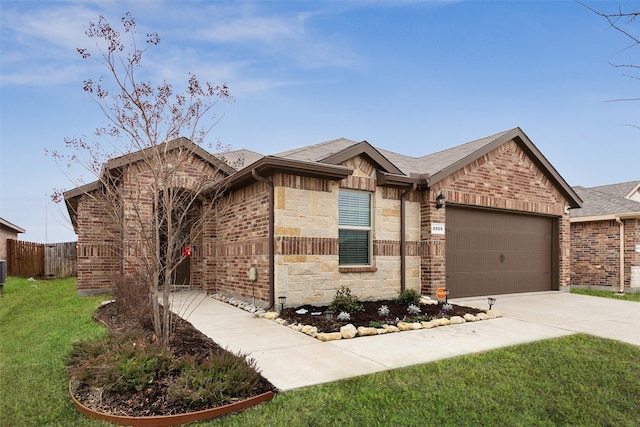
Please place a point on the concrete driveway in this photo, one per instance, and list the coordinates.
(603, 317)
(290, 359)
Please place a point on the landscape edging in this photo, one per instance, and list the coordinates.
(171, 420)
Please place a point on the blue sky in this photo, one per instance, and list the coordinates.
(414, 77)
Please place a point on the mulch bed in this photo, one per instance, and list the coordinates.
(152, 400)
(369, 315)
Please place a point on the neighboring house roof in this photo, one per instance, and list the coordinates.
(6, 224)
(607, 202)
(629, 190)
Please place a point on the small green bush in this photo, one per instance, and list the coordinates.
(119, 362)
(407, 297)
(344, 301)
(218, 377)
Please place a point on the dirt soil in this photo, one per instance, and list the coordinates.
(397, 312)
(152, 400)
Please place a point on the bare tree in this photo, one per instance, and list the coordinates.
(623, 21)
(151, 170)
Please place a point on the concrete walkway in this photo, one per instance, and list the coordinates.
(291, 359)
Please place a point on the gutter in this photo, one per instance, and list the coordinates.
(403, 238)
(621, 223)
(272, 298)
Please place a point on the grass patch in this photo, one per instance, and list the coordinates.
(39, 320)
(574, 380)
(631, 296)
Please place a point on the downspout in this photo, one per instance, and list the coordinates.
(403, 239)
(272, 298)
(621, 223)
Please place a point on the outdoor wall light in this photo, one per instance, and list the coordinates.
(282, 300)
(491, 301)
(440, 201)
(329, 314)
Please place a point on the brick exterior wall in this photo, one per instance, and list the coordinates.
(99, 248)
(432, 247)
(505, 178)
(595, 248)
(237, 241)
(104, 234)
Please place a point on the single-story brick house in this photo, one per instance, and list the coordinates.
(605, 237)
(487, 217)
(7, 231)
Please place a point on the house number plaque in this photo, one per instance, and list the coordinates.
(437, 228)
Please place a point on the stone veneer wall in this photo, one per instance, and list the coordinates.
(306, 230)
(505, 178)
(595, 249)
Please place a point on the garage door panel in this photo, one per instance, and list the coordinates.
(490, 252)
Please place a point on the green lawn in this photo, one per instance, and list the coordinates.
(629, 296)
(38, 322)
(577, 380)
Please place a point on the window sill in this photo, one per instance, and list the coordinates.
(363, 269)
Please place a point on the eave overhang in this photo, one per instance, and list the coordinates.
(269, 165)
(72, 197)
(385, 179)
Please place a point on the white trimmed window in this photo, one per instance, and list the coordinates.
(354, 228)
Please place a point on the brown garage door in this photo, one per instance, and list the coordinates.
(490, 252)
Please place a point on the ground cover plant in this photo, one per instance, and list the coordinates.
(629, 296)
(575, 380)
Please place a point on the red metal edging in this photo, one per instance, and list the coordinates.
(172, 420)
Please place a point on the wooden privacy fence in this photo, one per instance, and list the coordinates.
(45, 261)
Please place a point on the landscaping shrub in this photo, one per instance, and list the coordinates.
(219, 377)
(344, 301)
(408, 296)
(119, 363)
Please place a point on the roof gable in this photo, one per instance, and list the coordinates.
(6, 224)
(338, 151)
(446, 162)
(366, 150)
(167, 146)
(400, 170)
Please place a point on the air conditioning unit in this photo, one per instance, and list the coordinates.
(3, 273)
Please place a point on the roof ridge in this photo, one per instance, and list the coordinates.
(304, 148)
